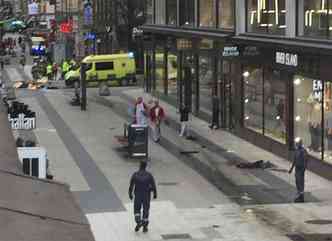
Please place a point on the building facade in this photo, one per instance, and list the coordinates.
(268, 62)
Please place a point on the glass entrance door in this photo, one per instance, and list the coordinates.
(226, 94)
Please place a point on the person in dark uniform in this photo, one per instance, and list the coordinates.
(215, 112)
(142, 183)
(300, 164)
(184, 118)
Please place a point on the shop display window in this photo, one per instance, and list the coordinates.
(265, 102)
(187, 13)
(275, 105)
(308, 99)
(160, 8)
(172, 11)
(253, 98)
(266, 16)
(328, 121)
(206, 83)
(315, 18)
(226, 14)
(160, 71)
(172, 74)
(207, 13)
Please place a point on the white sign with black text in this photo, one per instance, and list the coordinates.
(231, 51)
(22, 122)
(317, 90)
(287, 59)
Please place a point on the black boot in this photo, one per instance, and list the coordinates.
(138, 226)
(299, 199)
(145, 228)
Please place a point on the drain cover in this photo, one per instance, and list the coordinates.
(311, 237)
(167, 183)
(319, 221)
(176, 236)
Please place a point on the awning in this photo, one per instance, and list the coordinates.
(297, 44)
(186, 32)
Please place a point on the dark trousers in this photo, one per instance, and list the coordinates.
(299, 180)
(139, 203)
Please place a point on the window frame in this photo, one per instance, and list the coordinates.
(328, 34)
(215, 10)
(104, 63)
(267, 30)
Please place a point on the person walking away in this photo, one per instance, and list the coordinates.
(300, 163)
(141, 112)
(49, 71)
(215, 112)
(65, 68)
(184, 118)
(55, 70)
(142, 183)
(157, 115)
(23, 61)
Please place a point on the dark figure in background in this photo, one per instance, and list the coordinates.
(142, 183)
(215, 112)
(184, 119)
(300, 163)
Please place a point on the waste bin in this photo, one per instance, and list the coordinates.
(138, 140)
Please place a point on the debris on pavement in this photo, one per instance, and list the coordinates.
(255, 165)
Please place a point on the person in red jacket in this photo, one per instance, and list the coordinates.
(157, 115)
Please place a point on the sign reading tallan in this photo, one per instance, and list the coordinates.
(20, 117)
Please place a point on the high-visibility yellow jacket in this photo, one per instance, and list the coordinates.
(65, 66)
(49, 69)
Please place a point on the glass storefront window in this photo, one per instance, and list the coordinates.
(172, 11)
(275, 105)
(207, 13)
(160, 8)
(253, 98)
(172, 74)
(266, 16)
(149, 11)
(226, 14)
(206, 83)
(308, 97)
(160, 71)
(315, 18)
(187, 13)
(328, 121)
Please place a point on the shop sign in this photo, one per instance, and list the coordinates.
(231, 51)
(183, 44)
(317, 90)
(20, 117)
(206, 44)
(287, 59)
(251, 51)
(22, 122)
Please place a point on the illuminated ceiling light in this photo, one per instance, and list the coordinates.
(246, 74)
(297, 139)
(298, 100)
(278, 117)
(247, 118)
(297, 81)
(298, 118)
(249, 210)
(259, 7)
(277, 12)
(246, 100)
